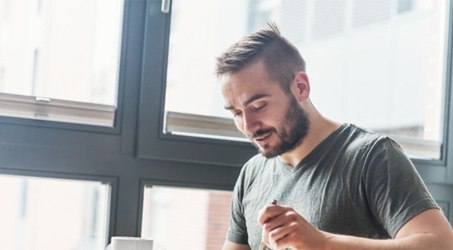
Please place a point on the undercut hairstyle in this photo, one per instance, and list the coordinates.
(281, 58)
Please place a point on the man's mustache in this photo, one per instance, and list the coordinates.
(260, 133)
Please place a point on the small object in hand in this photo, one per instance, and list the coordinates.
(262, 245)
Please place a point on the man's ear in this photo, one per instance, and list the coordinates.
(302, 86)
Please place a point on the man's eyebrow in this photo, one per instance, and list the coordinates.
(228, 107)
(248, 101)
(254, 98)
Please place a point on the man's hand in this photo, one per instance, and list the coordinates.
(283, 227)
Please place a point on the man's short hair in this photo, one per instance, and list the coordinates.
(281, 58)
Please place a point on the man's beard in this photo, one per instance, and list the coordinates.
(292, 131)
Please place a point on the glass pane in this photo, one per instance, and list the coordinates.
(186, 218)
(46, 214)
(66, 50)
(377, 64)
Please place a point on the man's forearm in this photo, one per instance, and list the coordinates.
(421, 241)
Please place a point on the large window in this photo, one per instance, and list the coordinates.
(378, 64)
(73, 186)
(59, 60)
(197, 218)
(46, 214)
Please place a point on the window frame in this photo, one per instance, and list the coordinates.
(136, 151)
(62, 105)
(153, 143)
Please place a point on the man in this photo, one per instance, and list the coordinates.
(337, 186)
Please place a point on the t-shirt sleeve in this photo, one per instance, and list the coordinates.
(238, 230)
(395, 191)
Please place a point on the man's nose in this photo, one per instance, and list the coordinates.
(250, 124)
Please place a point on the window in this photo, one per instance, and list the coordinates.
(367, 64)
(87, 163)
(47, 213)
(165, 217)
(59, 60)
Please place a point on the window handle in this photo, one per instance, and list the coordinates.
(40, 99)
(165, 8)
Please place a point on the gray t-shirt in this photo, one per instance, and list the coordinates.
(355, 182)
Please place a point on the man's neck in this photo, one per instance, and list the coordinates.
(320, 128)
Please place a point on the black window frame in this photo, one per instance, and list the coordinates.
(155, 144)
(136, 151)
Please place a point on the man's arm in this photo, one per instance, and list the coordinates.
(228, 245)
(427, 230)
(283, 227)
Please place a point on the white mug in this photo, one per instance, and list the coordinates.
(130, 243)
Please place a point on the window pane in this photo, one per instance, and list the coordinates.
(45, 214)
(67, 50)
(197, 218)
(378, 64)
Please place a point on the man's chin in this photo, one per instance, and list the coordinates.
(268, 153)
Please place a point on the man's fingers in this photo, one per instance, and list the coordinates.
(269, 212)
(277, 229)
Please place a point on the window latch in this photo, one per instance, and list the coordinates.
(42, 100)
(165, 8)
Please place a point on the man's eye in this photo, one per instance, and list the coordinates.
(236, 113)
(258, 108)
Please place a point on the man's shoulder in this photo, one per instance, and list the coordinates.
(359, 136)
(360, 142)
